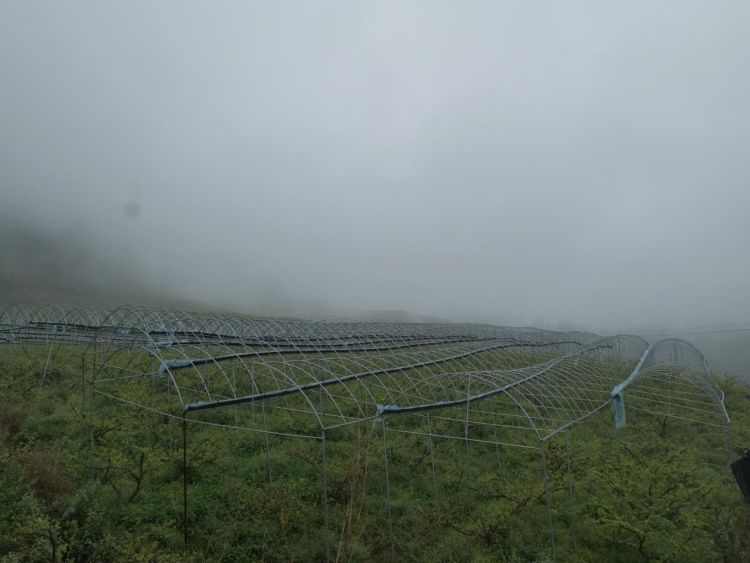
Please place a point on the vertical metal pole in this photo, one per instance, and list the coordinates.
(466, 422)
(669, 383)
(83, 385)
(432, 457)
(730, 442)
(387, 484)
(93, 442)
(549, 502)
(46, 365)
(184, 479)
(92, 458)
(254, 388)
(324, 471)
(234, 394)
(268, 442)
(494, 425)
(586, 438)
(571, 493)
(169, 394)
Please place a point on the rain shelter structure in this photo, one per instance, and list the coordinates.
(499, 387)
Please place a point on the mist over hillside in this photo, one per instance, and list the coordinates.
(576, 167)
(45, 264)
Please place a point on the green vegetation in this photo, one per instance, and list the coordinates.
(104, 483)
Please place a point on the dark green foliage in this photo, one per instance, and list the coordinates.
(104, 483)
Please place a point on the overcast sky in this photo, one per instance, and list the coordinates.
(585, 162)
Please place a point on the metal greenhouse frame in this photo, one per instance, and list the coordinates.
(500, 387)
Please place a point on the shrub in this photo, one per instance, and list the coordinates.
(46, 474)
(12, 417)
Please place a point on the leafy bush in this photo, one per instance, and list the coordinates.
(105, 484)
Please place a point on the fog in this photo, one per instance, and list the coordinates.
(577, 164)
